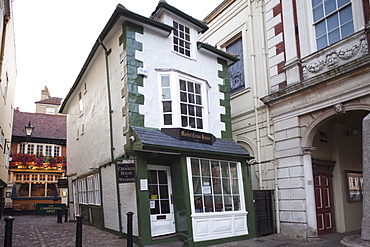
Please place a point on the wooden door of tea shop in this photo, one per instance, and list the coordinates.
(162, 220)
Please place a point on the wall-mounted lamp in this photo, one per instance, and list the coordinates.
(29, 129)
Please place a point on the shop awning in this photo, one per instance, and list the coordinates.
(150, 138)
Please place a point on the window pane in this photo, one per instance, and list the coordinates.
(333, 22)
(162, 177)
(183, 97)
(205, 168)
(342, 2)
(320, 29)
(226, 186)
(187, 53)
(166, 93)
(191, 98)
(321, 43)
(215, 169)
(167, 106)
(233, 171)
(192, 122)
(196, 185)
(216, 182)
(184, 121)
(225, 169)
(228, 203)
(153, 191)
(191, 110)
(163, 189)
(235, 186)
(198, 204)
(334, 36)
(330, 6)
(197, 88)
(165, 80)
(199, 123)
(347, 29)
(219, 207)
(236, 203)
(184, 109)
(236, 71)
(182, 85)
(24, 190)
(167, 119)
(195, 167)
(190, 87)
(199, 111)
(152, 177)
(316, 2)
(208, 203)
(198, 100)
(318, 13)
(165, 206)
(156, 209)
(345, 15)
(38, 190)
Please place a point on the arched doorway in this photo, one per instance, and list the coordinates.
(337, 142)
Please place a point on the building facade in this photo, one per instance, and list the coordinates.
(239, 27)
(38, 161)
(7, 88)
(149, 132)
(319, 70)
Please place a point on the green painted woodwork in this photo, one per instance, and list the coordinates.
(142, 202)
(131, 81)
(225, 89)
(248, 194)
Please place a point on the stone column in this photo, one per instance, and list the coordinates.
(310, 192)
(365, 229)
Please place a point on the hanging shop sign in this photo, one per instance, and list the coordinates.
(62, 183)
(126, 173)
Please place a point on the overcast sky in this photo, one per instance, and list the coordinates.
(54, 38)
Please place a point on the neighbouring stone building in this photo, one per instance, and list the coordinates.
(238, 27)
(7, 88)
(149, 131)
(319, 75)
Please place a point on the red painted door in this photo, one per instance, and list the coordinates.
(324, 208)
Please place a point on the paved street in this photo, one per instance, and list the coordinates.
(44, 231)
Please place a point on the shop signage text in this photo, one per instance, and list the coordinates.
(126, 173)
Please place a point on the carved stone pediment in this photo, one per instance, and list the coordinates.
(336, 55)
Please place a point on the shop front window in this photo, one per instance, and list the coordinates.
(216, 185)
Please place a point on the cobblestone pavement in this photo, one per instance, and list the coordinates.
(44, 231)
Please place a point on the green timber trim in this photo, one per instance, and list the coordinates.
(225, 89)
(131, 80)
(142, 202)
(248, 196)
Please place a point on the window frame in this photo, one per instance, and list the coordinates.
(357, 17)
(23, 148)
(174, 78)
(242, 207)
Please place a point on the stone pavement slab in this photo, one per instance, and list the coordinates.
(44, 231)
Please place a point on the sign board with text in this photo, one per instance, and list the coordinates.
(126, 173)
(49, 208)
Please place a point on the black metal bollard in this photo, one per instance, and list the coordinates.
(66, 215)
(59, 216)
(8, 231)
(129, 229)
(79, 230)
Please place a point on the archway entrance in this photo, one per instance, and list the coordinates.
(338, 143)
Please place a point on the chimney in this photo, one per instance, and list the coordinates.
(45, 93)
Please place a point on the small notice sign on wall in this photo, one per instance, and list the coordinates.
(126, 173)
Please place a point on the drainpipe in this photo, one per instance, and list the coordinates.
(107, 52)
(255, 96)
(269, 135)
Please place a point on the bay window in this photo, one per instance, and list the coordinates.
(215, 185)
(88, 190)
(35, 185)
(183, 101)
